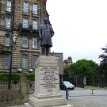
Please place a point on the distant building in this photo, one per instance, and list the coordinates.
(22, 17)
(68, 62)
(60, 60)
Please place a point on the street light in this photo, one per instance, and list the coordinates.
(13, 40)
(13, 44)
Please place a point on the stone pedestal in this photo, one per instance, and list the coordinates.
(47, 92)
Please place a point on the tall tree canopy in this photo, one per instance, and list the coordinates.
(83, 67)
(103, 63)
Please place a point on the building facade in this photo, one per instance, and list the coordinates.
(19, 36)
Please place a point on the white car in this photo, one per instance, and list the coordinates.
(67, 85)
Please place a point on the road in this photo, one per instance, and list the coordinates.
(83, 97)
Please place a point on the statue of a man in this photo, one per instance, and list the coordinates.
(46, 33)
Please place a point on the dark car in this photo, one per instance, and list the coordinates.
(66, 85)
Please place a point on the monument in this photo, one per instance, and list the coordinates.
(47, 91)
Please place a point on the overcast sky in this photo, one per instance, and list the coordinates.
(80, 27)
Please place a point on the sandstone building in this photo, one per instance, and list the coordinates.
(21, 19)
(68, 62)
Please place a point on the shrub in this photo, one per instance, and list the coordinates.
(30, 77)
(5, 76)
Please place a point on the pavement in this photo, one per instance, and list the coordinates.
(84, 97)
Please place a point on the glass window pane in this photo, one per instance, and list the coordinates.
(8, 6)
(8, 23)
(34, 58)
(35, 24)
(25, 23)
(25, 42)
(6, 61)
(35, 9)
(25, 7)
(24, 61)
(7, 41)
(34, 43)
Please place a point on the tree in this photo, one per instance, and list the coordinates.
(103, 63)
(84, 67)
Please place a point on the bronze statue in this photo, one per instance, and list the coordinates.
(46, 33)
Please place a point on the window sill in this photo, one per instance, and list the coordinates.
(26, 14)
(35, 15)
(34, 30)
(7, 12)
(31, 50)
(24, 48)
(25, 29)
(35, 48)
(8, 29)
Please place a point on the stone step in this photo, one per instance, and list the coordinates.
(17, 106)
(27, 105)
(68, 105)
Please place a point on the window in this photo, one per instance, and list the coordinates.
(8, 23)
(6, 61)
(35, 9)
(25, 23)
(24, 61)
(34, 58)
(25, 42)
(34, 43)
(25, 7)
(8, 8)
(7, 41)
(35, 25)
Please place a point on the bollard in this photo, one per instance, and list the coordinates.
(92, 91)
(67, 94)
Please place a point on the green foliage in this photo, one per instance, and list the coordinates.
(84, 67)
(73, 69)
(103, 63)
(66, 70)
(103, 66)
(30, 77)
(15, 76)
(5, 76)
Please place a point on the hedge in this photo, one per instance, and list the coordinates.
(5, 76)
(30, 77)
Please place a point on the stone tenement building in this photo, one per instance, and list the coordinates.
(21, 19)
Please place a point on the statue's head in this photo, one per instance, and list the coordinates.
(46, 20)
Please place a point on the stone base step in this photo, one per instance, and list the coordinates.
(28, 105)
(68, 105)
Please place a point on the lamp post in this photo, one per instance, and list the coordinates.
(12, 41)
(13, 44)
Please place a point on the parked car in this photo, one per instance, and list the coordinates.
(66, 85)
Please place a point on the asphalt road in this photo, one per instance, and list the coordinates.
(84, 98)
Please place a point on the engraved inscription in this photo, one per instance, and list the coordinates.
(49, 77)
